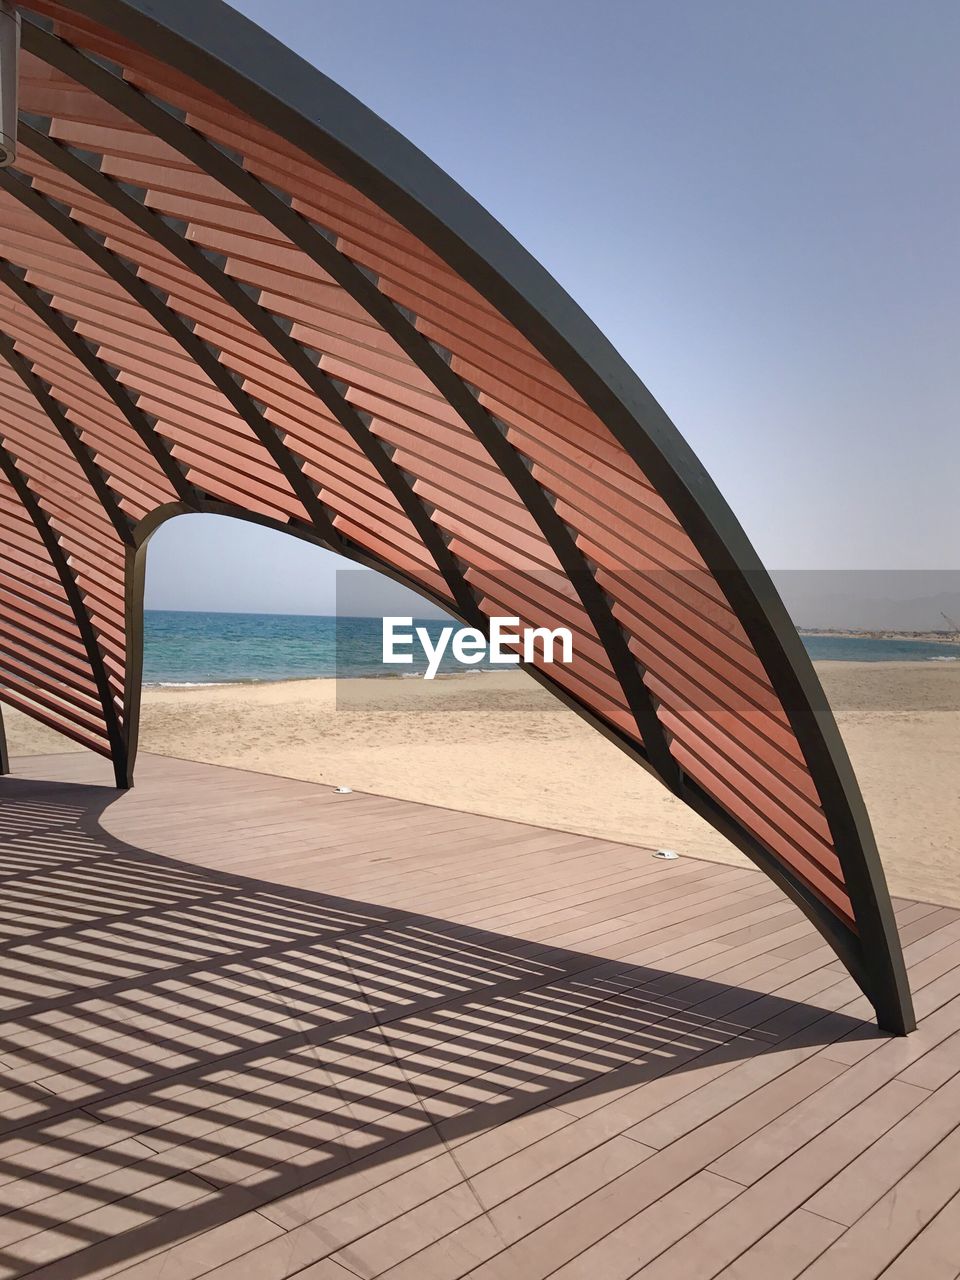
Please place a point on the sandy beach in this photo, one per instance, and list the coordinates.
(498, 744)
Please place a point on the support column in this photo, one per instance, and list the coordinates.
(4, 754)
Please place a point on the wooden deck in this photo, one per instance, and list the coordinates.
(256, 1029)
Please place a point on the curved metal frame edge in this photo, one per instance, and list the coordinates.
(260, 76)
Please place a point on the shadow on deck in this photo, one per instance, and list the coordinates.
(186, 1049)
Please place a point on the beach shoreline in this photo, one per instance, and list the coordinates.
(460, 675)
(923, 637)
(497, 743)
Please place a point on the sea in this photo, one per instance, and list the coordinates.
(183, 649)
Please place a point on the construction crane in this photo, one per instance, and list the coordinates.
(953, 623)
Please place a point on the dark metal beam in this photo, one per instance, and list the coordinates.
(155, 303)
(75, 233)
(50, 408)
(264, 322)
(152, 116)
(31, 504)
(207, 358)
(62, 328)
(135, 568)
(4, 753)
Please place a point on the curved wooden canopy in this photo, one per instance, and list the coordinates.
(225, 285)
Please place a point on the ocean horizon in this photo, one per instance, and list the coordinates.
(185, 648)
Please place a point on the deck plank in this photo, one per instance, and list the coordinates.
(253, 1027)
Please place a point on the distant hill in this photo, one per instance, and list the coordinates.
(881, 601)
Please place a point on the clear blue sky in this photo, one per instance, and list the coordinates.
(758, 202)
